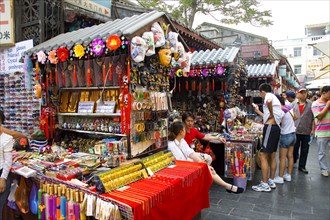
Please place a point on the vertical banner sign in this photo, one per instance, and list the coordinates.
(7, 36)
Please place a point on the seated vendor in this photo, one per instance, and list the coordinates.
(192, 133)
(181, 151)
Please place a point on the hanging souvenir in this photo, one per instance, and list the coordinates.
(219, 71)
(37, 91)
(149, 39)
(79, 51)
(138, 49)
(165, 57)
(41, 57)
(185, 62)
(173, 39)
(113, 42)
(52, 57)
(180, 52)
(62, 54)
(159, 37)
(98, 47)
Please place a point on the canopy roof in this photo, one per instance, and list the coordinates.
(128, 26)
(261, 70)
(212, 57)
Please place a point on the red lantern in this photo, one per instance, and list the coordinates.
(113, 42)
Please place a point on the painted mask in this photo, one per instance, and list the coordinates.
(165, 57)
(149, 39)
(138, 49)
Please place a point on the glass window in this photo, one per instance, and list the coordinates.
(297, 69)
(316, 52)
(297, 52)
(280, 51)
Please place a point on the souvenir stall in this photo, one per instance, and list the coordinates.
(213, 83)
(106, 104)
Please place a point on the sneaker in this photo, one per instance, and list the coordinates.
(303, 170)
(287, 177)
(271, 183)
(278, 179)
(262, 187)
(325, 173)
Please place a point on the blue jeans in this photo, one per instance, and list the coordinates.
(302, 144)
(323, 145)
(4, 195)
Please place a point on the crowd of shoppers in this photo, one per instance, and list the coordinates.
(291, 121)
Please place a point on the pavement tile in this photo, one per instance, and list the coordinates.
(306, 197)
(217, 216)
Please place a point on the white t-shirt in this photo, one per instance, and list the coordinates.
(287, 124)
(6, 145)
(180, 150)
(277, 111)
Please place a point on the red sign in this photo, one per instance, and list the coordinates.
(255, 51)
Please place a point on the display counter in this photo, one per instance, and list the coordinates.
(179, 191)
(176, 192)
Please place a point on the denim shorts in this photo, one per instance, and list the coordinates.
(287, 140)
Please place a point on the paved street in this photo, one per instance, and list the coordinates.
(306, 197)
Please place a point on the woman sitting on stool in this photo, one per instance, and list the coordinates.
(181, 151)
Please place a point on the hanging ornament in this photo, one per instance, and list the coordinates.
(113, 42)
(62, 54)
(79, 51)
(52, 57)
(41, 57)
(98, 46)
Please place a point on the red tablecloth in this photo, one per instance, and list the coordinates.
(174, 193)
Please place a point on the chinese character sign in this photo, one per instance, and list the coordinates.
(6, 23)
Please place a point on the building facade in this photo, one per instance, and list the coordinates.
(305, 59)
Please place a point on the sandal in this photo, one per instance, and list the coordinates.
(238, 191)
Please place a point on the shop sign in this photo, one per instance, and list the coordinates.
(92, 6)
(314, 64)
(7, 36)
(10, 56)
(255, 51)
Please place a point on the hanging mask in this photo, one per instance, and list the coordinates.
(165, 57)
(173, 39)
(37, 91)
(149, 39)
(138, 49)
(185, 62)
(180, 52)
(159, 37)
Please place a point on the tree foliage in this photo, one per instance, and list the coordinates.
(224, 11)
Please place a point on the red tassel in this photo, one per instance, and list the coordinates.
(110, 71)
(179, 86)
(207, 86)
(200, 86)
(213, 84)
(51, 76)
(104, 73)
(74, 75)
(89, 80)
(128, 69)
(56, 76)
(187, 85)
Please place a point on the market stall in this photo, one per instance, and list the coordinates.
(104, 93)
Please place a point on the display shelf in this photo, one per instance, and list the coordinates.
(92, 132)
(90, 88)
(91, 114)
